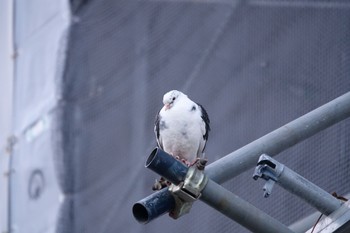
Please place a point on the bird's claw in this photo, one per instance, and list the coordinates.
(160, 184)
(156, 186)
(200, 163)
(188, 164)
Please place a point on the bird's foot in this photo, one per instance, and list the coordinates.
(194, 162)
(199, 162)
(160, 184)
(187, 163)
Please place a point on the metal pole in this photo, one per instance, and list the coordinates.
(153, 206)
(239, 210)
(167, 166)
(311, 193)
(305, 223)
(274, 171)
(280, 139)
(212, 193)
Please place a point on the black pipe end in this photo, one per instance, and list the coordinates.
(153, 206)
(151, 157)
(140, 213)
(160, 202)
(166, 166)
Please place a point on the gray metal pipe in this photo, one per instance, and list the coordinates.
(308, 191)
(280, 139)
(305, 223)
(213, 194)
(153, 206)
(273, 171)
(239, 210)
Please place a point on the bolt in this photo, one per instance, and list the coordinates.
(201, 163)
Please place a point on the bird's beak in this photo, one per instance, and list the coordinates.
(167, 106)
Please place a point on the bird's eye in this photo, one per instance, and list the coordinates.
(174, 98)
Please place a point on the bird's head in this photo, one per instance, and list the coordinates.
(171, 97)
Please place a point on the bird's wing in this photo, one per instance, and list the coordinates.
(156, 130)
(205, 127)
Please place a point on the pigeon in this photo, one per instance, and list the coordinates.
(182, 128)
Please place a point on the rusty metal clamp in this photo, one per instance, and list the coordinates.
(187, 191)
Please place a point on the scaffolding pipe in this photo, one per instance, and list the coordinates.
(213, 194)
(239, 210)
(274, 171)
(306, 190)
(166, 166)
(304, 224)
(280, 139)
(153, 206)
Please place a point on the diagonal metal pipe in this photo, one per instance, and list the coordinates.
(273, 172)
(305, 223)
(213, 194)
(280, 139)
(240, 210)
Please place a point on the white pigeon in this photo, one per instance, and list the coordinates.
(182, 127)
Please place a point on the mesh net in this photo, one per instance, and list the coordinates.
(254, 65)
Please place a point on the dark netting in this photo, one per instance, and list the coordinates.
(254, 65)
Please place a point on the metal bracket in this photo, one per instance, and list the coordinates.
(273, 171)
(187, 191)
(269, 170)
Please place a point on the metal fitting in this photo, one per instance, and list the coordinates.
(187, 191)
(274, 171)
(187, 184)
(269, 170)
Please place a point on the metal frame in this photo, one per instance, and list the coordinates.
(240, 210)
(280, 139)
(246, 157)
(207, 190)
(337, 222)
(273, 171)
(304, 224)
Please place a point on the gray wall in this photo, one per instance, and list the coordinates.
(30, 92)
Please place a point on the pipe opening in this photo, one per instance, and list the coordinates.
(151, 157)
(140, 213)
